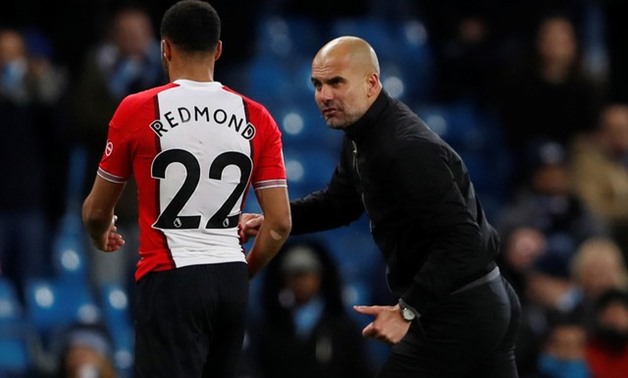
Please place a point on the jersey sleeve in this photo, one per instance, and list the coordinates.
(116, 163)
(269, 168)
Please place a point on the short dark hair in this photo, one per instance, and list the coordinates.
(192, 26)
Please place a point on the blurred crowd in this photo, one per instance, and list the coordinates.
(533, 94)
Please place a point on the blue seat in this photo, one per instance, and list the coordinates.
(268, 80)
(15, 359)
(308, 169)
(15, 333)
(415, 58)
(69, 254)
(301, 125)
(455, 123)
(10, 307)
(285, 37)
(52, 304)
(118, 318)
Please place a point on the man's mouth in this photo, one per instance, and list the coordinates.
(329, 111)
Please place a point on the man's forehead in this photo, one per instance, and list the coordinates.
(327, 67)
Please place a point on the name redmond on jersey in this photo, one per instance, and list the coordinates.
(219, 117)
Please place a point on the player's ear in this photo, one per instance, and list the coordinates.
(218, 50)
(166, 49)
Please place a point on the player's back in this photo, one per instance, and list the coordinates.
(191, 146)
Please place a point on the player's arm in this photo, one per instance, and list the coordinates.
(274, 230)
(98, 214)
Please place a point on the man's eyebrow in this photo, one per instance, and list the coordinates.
(331, 80)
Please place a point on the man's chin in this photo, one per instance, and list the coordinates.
(336, 124)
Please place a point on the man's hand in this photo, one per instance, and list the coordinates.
(249, 225)
(388, 325)
(111, 240)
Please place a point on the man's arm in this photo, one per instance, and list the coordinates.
(98, 216)
(337, 205)
(275, 229)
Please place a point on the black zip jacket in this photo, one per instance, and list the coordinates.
(425, 216)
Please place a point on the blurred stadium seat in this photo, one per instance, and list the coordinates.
(14, 356)
(15, 333)
(118, 318)
(69, 254)
(10, 307)
(302, 125)
(52, 304)
(268, 80)
(308, 169)
(456, 124)
(287, 37)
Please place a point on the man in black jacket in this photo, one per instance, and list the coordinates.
(456, 316)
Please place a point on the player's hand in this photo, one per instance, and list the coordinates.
(111, 240)
(388, 326)
(249, 225)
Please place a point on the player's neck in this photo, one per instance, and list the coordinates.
(193, 72)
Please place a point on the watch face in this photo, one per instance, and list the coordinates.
(407, 314)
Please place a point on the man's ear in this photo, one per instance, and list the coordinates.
(166, 49)
(218, 50)
(373, 84)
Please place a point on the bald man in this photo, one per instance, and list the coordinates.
(456, 316)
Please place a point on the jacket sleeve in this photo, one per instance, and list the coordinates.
(337, 205)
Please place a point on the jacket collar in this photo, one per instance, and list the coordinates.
(362, 126)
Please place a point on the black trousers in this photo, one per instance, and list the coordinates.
(190, 321)
(471, 334)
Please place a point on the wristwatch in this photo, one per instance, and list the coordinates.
(406, 312)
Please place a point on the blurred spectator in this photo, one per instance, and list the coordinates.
(563, 350)
(304, 330)
(522, 247)
(548, 95)
(31, 94)
(127, 61)
(466, 57)
(607, 349)
(546, 204)
(86, 353)
(600, 161)
(596, 266)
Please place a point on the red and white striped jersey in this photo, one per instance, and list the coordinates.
(194, 149)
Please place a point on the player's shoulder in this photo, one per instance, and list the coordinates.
(141, 98)
(139, 104)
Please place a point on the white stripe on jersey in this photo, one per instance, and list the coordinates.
(205, 160)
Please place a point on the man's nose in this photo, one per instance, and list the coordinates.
(325, 93)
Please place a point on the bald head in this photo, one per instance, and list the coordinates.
(353, 50)
(345, 74)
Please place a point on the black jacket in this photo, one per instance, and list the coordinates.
(424, 213)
